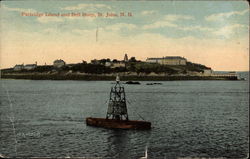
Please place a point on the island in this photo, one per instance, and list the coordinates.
(153, 69)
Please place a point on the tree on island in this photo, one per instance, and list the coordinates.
(102, 61)
(132, 59)
(115, 61)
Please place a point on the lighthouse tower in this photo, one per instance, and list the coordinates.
(117, 108)
(125, 58)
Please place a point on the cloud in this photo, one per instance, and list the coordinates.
(168, 21)
(119, 26)
(149, 12)
(87, 6)
(85, 31)
(227, 31)
(195, 28)
(220, 16)
(107, 30)
(47, 19)
(18, 9)
(159, 24)
(172, 17)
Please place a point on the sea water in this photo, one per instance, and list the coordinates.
(189, 119)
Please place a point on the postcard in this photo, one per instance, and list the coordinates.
(124, 79)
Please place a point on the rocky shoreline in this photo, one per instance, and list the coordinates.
(96, 77)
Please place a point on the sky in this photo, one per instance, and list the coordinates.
(212, 33)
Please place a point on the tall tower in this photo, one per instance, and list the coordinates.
(117, 108)
(125, 58)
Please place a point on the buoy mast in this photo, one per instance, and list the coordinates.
(117, 107)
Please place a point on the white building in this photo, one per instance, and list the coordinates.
(168, 60)
(208, 72)
(153, 60)
(18, 67)
(30, 66)
(108, 64)
(59, 63)
(118, 64)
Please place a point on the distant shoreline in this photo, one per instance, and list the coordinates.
(112, 77)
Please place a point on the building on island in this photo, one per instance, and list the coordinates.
(117, 64)
(108, 64)
(18, 67)
(208, 72)
(59, 63)
(25, 67)
(232, 73)
(168, 60)
(30, 66)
